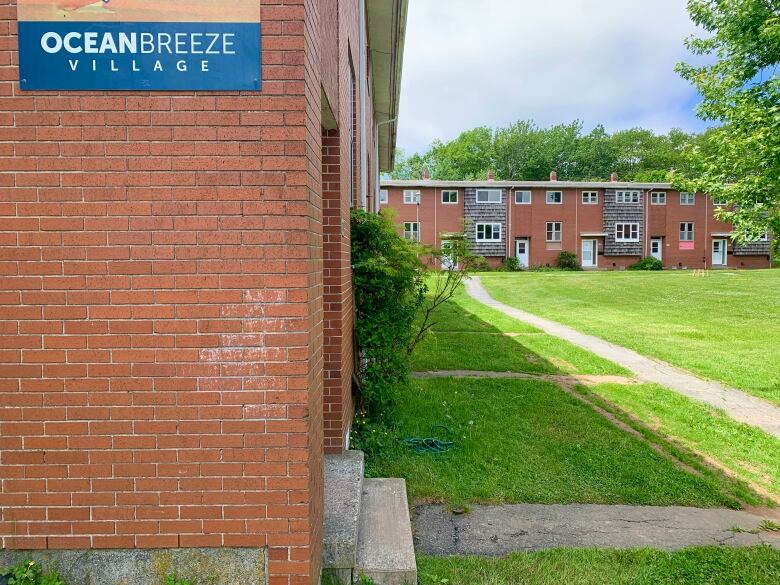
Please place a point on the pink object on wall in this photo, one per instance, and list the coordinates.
(686, 246)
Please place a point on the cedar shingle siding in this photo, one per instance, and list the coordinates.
(615, 213)
(485, 212)
(752, 248)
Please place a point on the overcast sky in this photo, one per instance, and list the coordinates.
(491, 62)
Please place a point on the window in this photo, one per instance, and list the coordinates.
(686, 231)
(488, 232)
(657, 198)
(488, 196)
(411, 197)
(522, 198)
(719, 202)
(627, 197)
(554, 197)
(383, 196)
(626, 232)
(449, 197)
(412, 230)
(554, 231)
(590, 197)
(687, 198)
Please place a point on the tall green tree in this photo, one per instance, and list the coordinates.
(524, 151)
(740, 161)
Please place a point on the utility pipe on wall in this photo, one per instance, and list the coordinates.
(376, 158)
(363, 83)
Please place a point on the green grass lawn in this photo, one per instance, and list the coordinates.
(695, 566)
(528, 441)
(470, 336)
(725, 326)
(748, 452)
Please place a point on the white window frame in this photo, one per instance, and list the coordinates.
(530, 197)
(412, 197)
(590, 197)
(549, 199)
(690, 235)
(490, 195)
(633, 231)
(719, 203)
(627, 197)
(450, 193)
(412, 231)
(495, 229)
(554, 231)
(384, 197)
(658, 198)
(687, 198)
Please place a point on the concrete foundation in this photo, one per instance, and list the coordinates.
(206, 566)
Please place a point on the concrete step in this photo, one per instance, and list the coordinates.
(343, 494)
(385, 551)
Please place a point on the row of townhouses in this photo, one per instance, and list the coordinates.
(609, 225)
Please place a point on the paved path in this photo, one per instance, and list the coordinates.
(737, 404)
(498, 530)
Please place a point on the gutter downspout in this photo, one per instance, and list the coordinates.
(376, 158)
(363, 83)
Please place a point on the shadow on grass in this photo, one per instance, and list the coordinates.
(526, 441)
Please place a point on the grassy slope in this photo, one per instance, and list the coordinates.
(527, 441)
(468, 336)
(748, 452)
(698, 566)
(725, 326)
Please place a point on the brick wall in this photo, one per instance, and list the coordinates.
(579, 221)
(162, 324)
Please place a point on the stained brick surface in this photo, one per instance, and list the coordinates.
(161, 306)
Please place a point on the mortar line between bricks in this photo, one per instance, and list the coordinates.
(738, 405)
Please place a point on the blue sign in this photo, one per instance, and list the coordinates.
(105, 55)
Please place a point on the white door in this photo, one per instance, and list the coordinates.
(447, 261)
(522, 252)
(656, 248)
(589, 253)
(719, 252)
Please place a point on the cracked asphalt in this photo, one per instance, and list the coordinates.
(499, 530)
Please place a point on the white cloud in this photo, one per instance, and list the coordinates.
(491, 62)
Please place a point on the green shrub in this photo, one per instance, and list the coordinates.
(542, 268)
(648, 263)
(30, 573)
(511, 264)
(173, 579)
(568, 261)
(389, 285)
(480, 264)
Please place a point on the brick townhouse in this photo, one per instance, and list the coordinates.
(175, 303)
(608, 225)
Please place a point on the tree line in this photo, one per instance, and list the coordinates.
(524, 151)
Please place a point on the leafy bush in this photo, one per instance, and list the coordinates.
(568, 261)
(388, 278)
(511, 264)
(542, 268)
(30, 573)
(394, 310)
(480, 264)
(648, 263)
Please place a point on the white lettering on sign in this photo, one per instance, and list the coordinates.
(145, 43)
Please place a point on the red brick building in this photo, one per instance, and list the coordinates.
(607, 225)
(176, 313)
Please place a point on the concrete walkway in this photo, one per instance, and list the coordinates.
(737, 404)
(499, 530)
